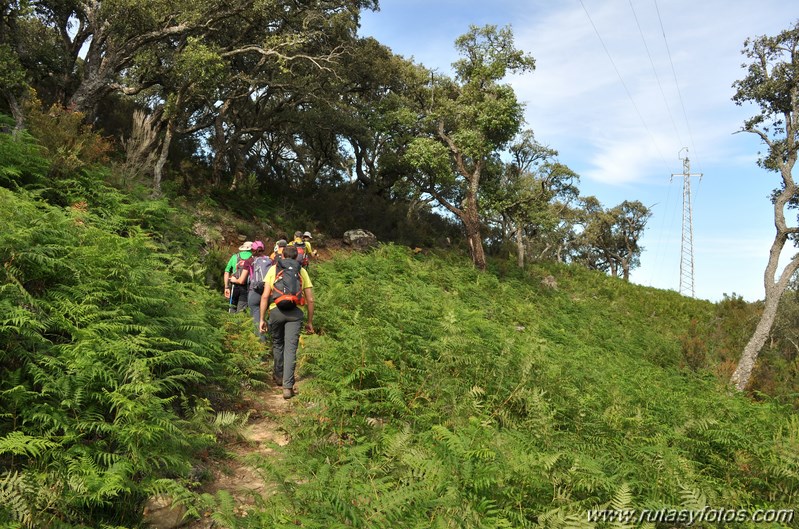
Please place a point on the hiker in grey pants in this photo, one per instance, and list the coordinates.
(285, 324)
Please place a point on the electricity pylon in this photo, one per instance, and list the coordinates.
(687, 244)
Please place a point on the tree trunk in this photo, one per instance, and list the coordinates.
(221, 143)
(16, 111)
(360, 175)
(775, 285)
(91, 91)
(475, 241)
(141, 149)
(158, 172)
(746, 365)
(471, 218)
(613, 267)
(520, 245)
(774, 290)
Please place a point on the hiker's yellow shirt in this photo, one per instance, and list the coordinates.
(270, 280)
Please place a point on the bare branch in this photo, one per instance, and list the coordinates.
(317, 61)
(438, 196)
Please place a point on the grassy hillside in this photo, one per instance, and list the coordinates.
(433, 396)
(437, 396)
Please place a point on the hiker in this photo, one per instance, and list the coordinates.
(307, 238)
(287, 286)
(280, 245)
(236, 272)
(260, 267)
(303, 248)
(282, 238)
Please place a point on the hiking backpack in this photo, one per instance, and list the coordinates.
(243, 264)
(260, 266)
(287, 287)
(302, 253)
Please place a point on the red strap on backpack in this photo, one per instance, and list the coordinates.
(287, 299)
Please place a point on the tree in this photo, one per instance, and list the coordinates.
(214, 68)
(628, 223)
(470, 119)
(531, 195)
(12, 82)
(772, 83)
(609, 240)
(382, 99)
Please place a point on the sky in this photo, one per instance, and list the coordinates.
(623, 89)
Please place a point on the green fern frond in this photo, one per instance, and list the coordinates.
(13, 491)
(21, 444)
(692, 498)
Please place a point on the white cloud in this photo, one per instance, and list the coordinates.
(633, 121)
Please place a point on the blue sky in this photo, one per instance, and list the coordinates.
(620, 87)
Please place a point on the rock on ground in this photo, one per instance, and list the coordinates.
(360, 238)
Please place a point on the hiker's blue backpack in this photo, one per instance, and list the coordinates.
(260, 266)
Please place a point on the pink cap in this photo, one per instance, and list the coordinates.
(257, 245)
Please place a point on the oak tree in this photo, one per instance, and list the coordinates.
(609, 240)
(531, 196)
(772, 84)
(469, 120)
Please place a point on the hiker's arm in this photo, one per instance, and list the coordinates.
(226, 283)
(242, 278)
(262, 327)
(308, 293)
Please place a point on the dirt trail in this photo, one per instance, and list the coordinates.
(238, 475)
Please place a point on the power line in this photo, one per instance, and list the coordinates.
(655, 72)
(627, 91)
(677, 84)
(659, 249)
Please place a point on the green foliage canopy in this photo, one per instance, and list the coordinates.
(470, 119)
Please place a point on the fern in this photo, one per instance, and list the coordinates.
(422, 390)
(13, 503)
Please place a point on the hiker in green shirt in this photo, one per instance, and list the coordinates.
(236, 274)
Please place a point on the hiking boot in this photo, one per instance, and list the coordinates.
(288, 393)
(278, 381)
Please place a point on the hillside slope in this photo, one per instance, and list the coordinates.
(437, 396)
(433, 396)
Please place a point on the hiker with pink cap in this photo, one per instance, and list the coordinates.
(260, 266)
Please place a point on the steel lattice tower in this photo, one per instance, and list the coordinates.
(687, 243)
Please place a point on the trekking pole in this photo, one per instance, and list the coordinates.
(230, 304)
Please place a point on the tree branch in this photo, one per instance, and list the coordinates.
(455, 152)
(438, 196)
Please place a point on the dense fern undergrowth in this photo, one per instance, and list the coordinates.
(438, 396)
(433, 396)
(111, 349)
